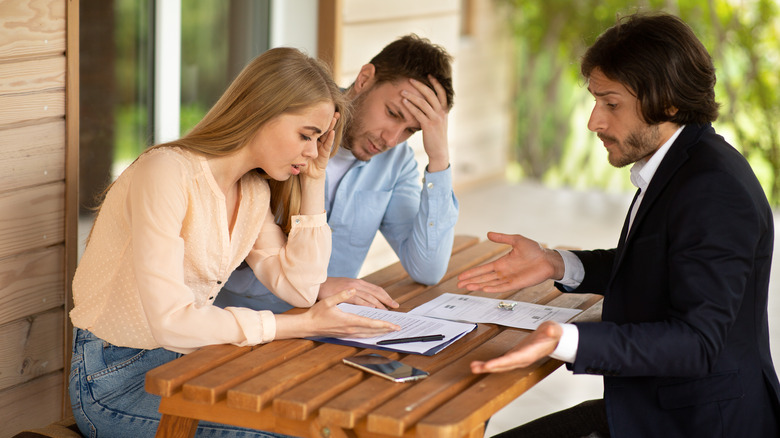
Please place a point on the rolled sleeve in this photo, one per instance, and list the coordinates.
(258, 326)
(293, 268)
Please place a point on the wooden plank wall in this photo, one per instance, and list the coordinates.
(353, 31)
(32, 212)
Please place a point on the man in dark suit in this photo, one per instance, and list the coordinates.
(683, 344)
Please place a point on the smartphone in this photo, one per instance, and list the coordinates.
(384, 367)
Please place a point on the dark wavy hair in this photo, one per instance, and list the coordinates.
(414, 57)
(658, 57)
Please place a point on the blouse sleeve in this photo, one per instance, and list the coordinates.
(293, 267)
(158, 204)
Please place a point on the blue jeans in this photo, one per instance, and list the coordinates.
(108, 397)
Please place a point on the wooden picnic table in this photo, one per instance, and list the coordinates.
(300, 387)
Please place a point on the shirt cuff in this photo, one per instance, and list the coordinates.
(566, 350)
(441, 179)
(573, 270)
(309, 220)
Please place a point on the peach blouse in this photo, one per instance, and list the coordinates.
(161, 249)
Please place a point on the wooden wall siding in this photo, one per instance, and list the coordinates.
(45, 142)
(31, 28)
(39, 353)
(32, 218)
(33, 290)
(31, 108)
(31, 404)
(32, 283)
(367, 26)
(32, 90)
(34, 76)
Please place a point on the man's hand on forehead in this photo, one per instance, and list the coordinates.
(431, 111)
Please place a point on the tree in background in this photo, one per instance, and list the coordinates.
(551, 104)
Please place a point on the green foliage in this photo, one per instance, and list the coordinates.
(133, 55)
(204, 53)
(552, 106)
(190, 115)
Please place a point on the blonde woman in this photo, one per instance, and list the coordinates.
(246, 184)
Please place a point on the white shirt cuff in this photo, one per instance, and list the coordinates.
(573, 270)
(566, 350)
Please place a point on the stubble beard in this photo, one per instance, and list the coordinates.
(352, 127)
(638, 145)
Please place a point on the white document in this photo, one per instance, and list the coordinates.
(411, 326)
(469, 308)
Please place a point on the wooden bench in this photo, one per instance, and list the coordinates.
(65, 428)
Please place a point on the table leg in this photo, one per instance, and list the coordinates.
(176, 427)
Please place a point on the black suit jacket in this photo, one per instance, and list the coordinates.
(684, 342)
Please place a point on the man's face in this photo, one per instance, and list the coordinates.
(617, 120)
(379, 120)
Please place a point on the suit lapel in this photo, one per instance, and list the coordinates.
(627, 222)
(674, 159)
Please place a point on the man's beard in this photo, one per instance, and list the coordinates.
(352, 126)
(638, 145)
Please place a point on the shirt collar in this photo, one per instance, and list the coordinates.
(344, 155)
(643, 170)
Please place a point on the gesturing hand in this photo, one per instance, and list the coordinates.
(431, 112)
(539, 344)
(527, 264)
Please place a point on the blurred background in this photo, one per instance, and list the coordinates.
(533, 52)
(522, 158)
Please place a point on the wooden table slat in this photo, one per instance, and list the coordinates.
(592, 314)
(218, 412)
(403, 411)
(407, 288)
(542, 293)
(396, 272)
(300, 401)
(212, 385)
(350, 407)
(165, 380)
(459, 415)
(256, 392)
(475, 405)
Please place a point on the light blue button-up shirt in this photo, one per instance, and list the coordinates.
(382, 194)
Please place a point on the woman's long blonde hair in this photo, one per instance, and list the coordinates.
(281, 80)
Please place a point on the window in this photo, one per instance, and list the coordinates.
(149, 70)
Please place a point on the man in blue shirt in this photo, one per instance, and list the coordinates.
(373, 180)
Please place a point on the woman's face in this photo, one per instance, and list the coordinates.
(285, 144)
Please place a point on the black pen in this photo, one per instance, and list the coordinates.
(412, 339)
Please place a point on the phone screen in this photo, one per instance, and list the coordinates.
(387, 368)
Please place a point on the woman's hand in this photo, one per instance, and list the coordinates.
(366, 294)
(316, 167)
(325, 319)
